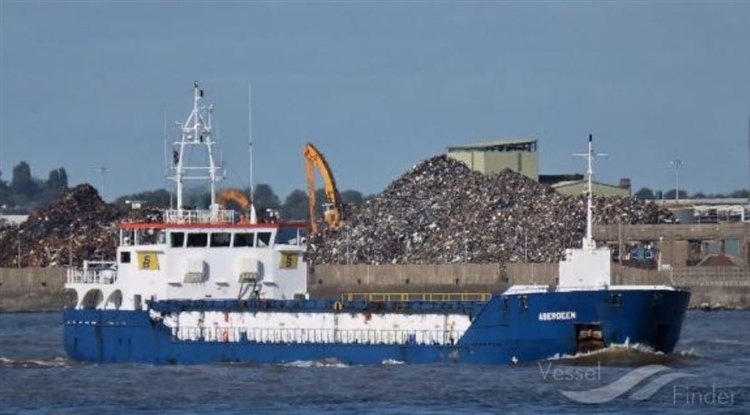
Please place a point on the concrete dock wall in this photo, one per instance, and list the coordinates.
(32, 289)
(717, 286)
(41, 289)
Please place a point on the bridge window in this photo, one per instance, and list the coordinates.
(177, 239)
(244, 240)
(290, 236)
(197, 240)
(264, 239)
(220, 239)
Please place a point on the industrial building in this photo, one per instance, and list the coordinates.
(520, 155)
(488, 157)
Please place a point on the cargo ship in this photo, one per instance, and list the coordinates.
(198, 286)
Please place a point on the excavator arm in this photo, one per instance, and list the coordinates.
(333, 208)
(238, 197)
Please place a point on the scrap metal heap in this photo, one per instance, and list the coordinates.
(443, 212)
(439, 212)
(80, 225)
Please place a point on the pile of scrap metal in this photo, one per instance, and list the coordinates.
(443, 212)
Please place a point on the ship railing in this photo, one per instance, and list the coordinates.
(416, 296)
(328, 336)
(89, 276)
(93, 272)
(198, 216)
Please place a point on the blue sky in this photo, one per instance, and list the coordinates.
(378, 86)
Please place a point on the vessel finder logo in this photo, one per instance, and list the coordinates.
(627, 383)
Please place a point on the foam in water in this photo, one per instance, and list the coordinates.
(35, 363)
(316, 363)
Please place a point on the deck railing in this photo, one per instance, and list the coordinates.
(329, 336)
(416, 296)
(93, 272)
(186, 216)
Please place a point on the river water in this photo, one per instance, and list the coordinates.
(709, 373)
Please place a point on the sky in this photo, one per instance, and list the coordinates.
(377, 86)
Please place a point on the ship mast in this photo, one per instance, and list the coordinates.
(196, 132)
(588, 240)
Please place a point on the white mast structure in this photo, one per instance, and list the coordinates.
(588, 240)
(250, 134)
(196, 132)
(588, 266)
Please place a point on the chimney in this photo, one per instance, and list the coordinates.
(625, 183)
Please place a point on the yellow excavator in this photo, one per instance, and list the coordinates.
(333, 213)
(226, 196)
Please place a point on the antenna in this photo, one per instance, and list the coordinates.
(250, 132)
(588, 241)
(164, 134)
(102, 170)
(167, 165)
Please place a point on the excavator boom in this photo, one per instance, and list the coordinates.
(240, 199)
(333, 208)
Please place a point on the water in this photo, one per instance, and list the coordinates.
(37, 378)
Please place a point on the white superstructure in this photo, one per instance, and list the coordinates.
(195, 254)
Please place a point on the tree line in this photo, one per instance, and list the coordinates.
(294, 207)
(649, 194)
(25, 191)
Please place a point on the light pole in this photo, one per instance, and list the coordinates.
(19, 249)
(525, 247)
(676, 163)
(70, 246)
(102, 170)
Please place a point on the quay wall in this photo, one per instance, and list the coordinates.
(32, 289)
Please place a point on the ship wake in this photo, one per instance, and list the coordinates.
(626, 355)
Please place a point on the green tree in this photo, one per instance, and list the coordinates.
(670, 194)
(265, 198)
(196, 197)
(53, 188)
(645, 193)
(22, 183)
(295, 206)
(58, 179)
(4, 192)
(352, 197)
(740, 194)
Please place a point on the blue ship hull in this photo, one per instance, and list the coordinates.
(506, 329)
